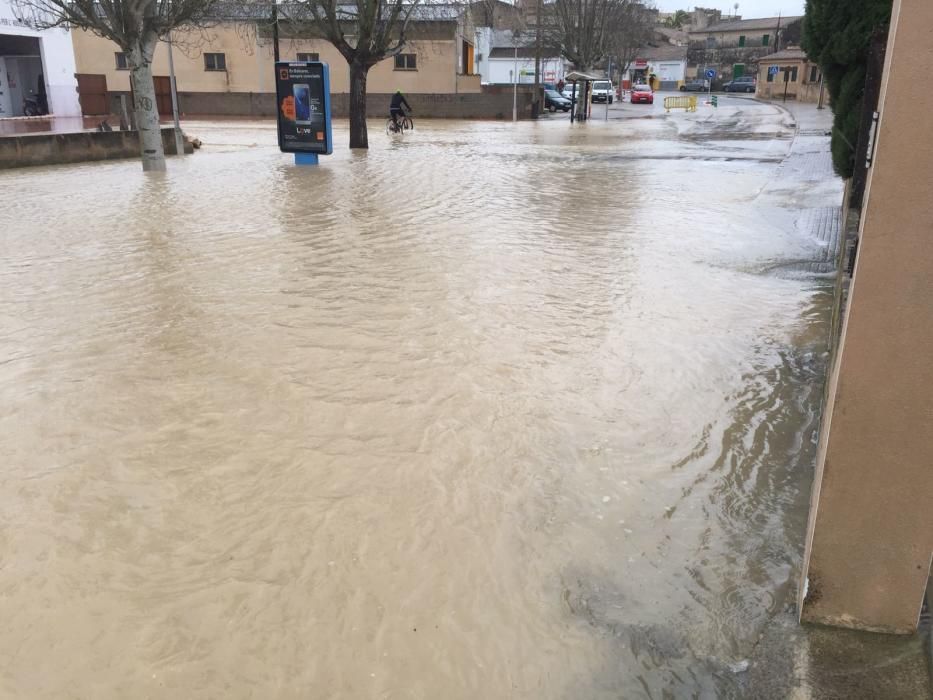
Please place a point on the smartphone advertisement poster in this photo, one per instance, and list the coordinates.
(303, 99)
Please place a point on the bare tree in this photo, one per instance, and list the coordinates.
(136, 26)
(365, 32)
(584, 29)
(634, 31)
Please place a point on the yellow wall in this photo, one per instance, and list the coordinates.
(870, 536)
(801, 89)
(250, 63)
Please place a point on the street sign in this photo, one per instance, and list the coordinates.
(773, 70)
(710, 73)
(303, 109)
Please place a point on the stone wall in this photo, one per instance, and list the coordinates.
(492, 103)
(50, 149)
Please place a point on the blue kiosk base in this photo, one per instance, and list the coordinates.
(306, 159)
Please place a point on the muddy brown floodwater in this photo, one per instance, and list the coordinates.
(491, 411)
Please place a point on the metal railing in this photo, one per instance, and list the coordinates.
(688, 103)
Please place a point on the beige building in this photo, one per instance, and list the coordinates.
(228, 68)
(870, 537)
(802, 78)
(734, 47)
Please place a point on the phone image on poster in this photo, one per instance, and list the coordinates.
(302, 95)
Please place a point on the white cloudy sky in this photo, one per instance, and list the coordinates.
(747, 8)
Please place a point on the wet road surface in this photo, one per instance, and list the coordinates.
(493, 410)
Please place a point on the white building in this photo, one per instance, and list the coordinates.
(504, 58)
(36, 64)
(667, 63)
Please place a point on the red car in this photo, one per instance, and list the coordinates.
(642, 93)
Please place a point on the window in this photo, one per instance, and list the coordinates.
(215, 61)
(770, 77)
(303, 57)
(406, 61)
(765, 38)
(741, 41)
(711, 42)
(814, 73)
(793, 74)
(120, 58)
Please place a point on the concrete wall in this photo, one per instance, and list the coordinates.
(870, 537)
(250, 62)
(50, 149)
(492, 103)
(57, 58)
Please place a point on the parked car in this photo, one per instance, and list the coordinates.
(695, 86)
(568, 91)
(745, 83)
(642, 93)
(554, 101)
(602, 91)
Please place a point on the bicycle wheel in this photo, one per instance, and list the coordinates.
(389, 126)
(407, 124)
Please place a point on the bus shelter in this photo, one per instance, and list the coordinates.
(586, 81)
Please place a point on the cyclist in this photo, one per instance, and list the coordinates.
(395, 108)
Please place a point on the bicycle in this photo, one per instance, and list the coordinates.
(404, 124)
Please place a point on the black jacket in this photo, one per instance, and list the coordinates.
(398, 99)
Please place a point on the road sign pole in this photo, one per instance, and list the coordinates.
(609, 95)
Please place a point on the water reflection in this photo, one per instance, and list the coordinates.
(479, 413)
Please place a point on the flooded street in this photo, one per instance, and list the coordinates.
(491, 411)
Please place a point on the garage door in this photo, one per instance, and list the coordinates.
(92, 94)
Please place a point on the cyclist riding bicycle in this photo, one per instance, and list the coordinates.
(395, 108)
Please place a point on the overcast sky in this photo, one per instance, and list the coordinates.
(747, 8)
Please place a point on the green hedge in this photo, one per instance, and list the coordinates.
(837, 35)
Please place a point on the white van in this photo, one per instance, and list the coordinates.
(603, 91)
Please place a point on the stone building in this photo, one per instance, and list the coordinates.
(789, 69)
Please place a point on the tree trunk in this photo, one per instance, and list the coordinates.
(359, 137)
(145, 106)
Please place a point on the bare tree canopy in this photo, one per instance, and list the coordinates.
(365, 32)
(136, 26)
(635, 31)
(584, 29)
(124, 22)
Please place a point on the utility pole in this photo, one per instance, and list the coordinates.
(275, 29)
(609, 96)
(515, 88)
(777, 35)
(536, 104)
(179, 137)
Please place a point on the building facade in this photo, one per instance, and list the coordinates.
(789, 73)
(228, 67)
(35, 64)
(663, 67)
(734, 47)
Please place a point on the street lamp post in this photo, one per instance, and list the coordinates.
(515, 88)
(179, 138)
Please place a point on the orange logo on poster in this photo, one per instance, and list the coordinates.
(288, 108)
(283, 73)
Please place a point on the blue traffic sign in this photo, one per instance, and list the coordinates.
(710, 73)
(773, 70)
